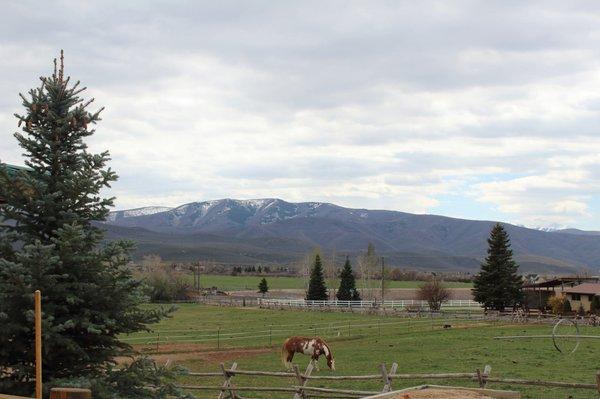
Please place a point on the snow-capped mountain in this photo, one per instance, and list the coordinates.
(276, 229)
(148, 210)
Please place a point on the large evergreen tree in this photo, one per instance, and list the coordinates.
(317, 290)
(347, 290)
(498, 285)
(49, 240)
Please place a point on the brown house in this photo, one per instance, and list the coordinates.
(537, 294)
(582, 295)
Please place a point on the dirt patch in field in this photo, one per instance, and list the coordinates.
(174, 348)
(176, 353)
(442, 394)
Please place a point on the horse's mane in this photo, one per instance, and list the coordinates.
(326, 346)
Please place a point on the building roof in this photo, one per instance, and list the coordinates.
(559, 281)
(585, 288)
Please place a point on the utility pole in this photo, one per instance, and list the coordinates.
(382, 280)
(198, 274)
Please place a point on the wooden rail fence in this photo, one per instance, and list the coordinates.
(301, 389)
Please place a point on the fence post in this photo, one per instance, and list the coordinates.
(486, 373)
(219, 338)
(38, 343)
(302, 380)
(227, 383)
(348, 327)
(157, 340)
(387, 381)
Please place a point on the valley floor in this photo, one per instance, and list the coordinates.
(201, 337)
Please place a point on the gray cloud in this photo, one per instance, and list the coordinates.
(382, 104)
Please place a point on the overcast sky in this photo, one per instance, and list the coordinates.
(482, 110)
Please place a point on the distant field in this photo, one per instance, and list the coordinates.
(252, 337)
(237, 283)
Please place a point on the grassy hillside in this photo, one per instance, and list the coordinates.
(361, 342)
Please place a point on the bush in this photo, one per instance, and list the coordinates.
(165, 284)
(143, 378)
(434, 293)
(560, 304)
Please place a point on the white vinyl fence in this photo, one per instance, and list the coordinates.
(398, 304)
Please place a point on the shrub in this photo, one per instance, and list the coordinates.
(165, 285)
(559, 304)
(434, 293)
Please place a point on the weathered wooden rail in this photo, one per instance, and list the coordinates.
(301, 390)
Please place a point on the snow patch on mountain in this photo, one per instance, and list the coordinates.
(148, 210)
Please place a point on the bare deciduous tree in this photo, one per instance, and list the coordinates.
(434, 293)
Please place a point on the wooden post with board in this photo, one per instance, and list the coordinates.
(38, 343)
(70, 393)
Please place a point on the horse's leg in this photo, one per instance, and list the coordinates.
(315, 361)
(288, 362)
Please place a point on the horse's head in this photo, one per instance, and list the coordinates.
(331, 362)
(329, 356)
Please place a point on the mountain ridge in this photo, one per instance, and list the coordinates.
(451, 241)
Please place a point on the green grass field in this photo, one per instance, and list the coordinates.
(236, 283)
(252, 337)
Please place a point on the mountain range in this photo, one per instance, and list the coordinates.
(275, 231)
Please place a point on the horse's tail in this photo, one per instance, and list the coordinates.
(284, 353)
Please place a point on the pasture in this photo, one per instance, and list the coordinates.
(201, 337)
(243, 282)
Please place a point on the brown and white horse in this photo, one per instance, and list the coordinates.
(311, 346)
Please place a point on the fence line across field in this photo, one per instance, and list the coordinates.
(302, 390)
(394, 304)
(326, 330)
(304, 327)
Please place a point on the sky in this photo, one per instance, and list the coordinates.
(471, 109)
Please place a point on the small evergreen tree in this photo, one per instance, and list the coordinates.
(567, 310)
(263, 287)
(347, 290)
(49, 241)
(595, 305)
(498, 285)
(317, 290)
